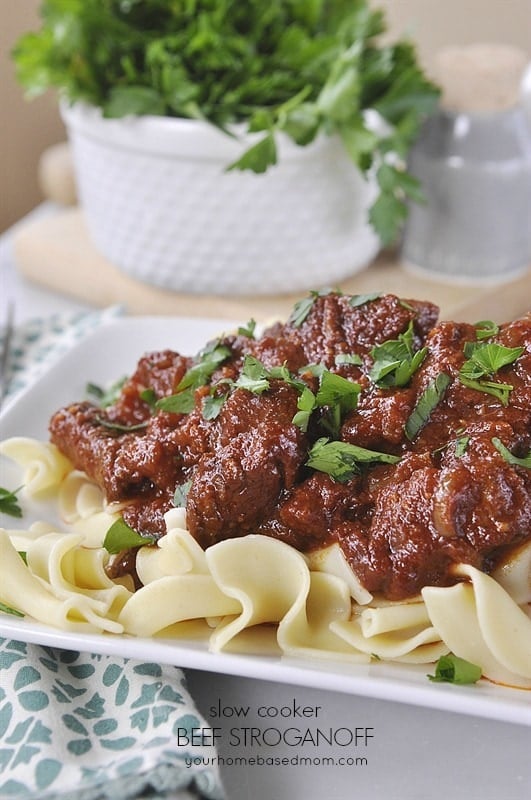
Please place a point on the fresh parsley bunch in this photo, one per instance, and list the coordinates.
(303, 67)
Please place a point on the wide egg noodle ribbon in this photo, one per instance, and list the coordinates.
(274, 585)
(481, 623)
(267, 577)
(332, 561)
(176, 553)
(79, 498)
(25, 592)
(172, 599)
(514, 574)
(177, 586)
(396, 632)
(393, 617)
(70, 570)
(44, 466)
(306, 630)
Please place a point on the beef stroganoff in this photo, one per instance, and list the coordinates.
(357, 478)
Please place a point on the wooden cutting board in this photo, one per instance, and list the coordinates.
(56, 252)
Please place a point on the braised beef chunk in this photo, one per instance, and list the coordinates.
(160, 373)
(447, 404)
(335, 326)
(256, 454)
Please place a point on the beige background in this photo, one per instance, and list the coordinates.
(27, 128)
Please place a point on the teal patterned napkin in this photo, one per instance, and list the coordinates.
(74, 725)
(37, 343)
(79, 726)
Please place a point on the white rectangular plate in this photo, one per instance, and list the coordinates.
(106, 355)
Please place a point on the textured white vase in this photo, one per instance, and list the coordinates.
(161, 206)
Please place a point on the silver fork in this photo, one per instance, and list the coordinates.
(5, 351)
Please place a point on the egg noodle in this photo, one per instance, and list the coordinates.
(314, 602)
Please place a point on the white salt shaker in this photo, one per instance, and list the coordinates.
(473, 159)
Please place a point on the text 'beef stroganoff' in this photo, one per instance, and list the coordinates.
(359, 475)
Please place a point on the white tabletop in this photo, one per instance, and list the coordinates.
(403, 752)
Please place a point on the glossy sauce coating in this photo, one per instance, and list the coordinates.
(450, 497)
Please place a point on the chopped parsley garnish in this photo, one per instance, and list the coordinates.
(9, 502)
(149, 397)
(181, 493)
(302, 308)
(358, 300)
(306, 405)
(336, 395)
(348, 358)
(504, 451)
(342, 461)
(485, 328)
(121, 536)
(396, 360)
(254, 376)
(104, 397)
(487, 358)
(9, 610)
(461, 445)
(183, 401)
(213, 404)
(248, 329)
(339, 396)
(117, 426)
(429, 399)
(452, 669)
(484, 359)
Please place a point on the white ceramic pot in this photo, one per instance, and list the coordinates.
(160, 205)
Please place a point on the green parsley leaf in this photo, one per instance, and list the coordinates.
(117, 426)
(485, 328)
(395, 361)
(253, 377)
(302, 308)
(248, 330)
(339, 396)
(104, 397)
(305, 404)
(180, 495)
(9, 502)
(426, 403)
(461, 445)
(183, 401)
(335, 390)
(316, 370)
(452, 669)
(209, 360)
(341, 460)
(485, 359)
(508, 456)
(259, 157)
(213, 404)
(121, 536)
(358, 300)
(136, 100)
(348, 358)
(8, 610)
(499, 390)
(387, 215)
(149, 397)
